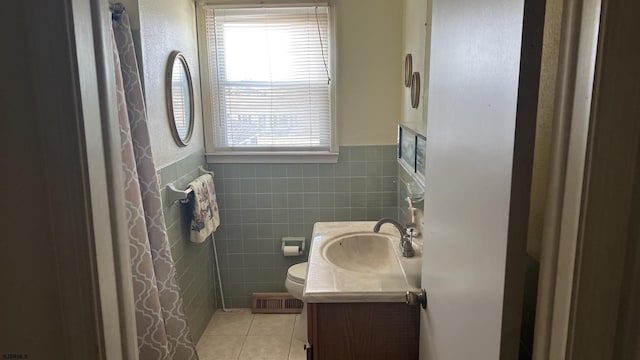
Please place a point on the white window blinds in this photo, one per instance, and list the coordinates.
(270, 78)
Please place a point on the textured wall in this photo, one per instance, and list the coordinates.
(167, 25)
(370, 65)
(261, 203)
(194, 262)
(369, 73)
(550, 48)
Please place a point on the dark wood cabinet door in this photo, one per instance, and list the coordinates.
(372, 331)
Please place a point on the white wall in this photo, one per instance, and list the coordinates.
(370, 65)
(415, 43)
(369, 74)
(167, 25)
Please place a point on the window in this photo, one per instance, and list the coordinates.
(269, 80)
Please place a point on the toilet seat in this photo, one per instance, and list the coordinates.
(298, 273)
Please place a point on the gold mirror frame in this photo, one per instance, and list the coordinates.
(415, 90)
(408, 69)
(177, 56)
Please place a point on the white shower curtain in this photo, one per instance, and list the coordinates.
(162, 329)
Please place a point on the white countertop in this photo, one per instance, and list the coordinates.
(328, 283)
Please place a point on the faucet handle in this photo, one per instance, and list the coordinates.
(411, 231)
(406, 243)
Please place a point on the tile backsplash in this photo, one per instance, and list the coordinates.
(261, 203)
(193, 262)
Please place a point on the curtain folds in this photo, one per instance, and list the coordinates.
(163, 332)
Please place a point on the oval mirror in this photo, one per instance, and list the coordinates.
(179, 90)
(415, 90)
(408, 70)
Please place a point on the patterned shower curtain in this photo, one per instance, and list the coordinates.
(163, 333)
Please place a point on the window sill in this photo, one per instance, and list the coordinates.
(273, 157)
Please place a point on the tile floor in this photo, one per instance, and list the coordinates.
(239, 334)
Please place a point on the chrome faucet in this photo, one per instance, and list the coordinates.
(406, 235)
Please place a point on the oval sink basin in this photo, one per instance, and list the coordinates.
(361, 252)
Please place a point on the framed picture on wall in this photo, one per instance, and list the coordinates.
(407, 148)
(412, 148)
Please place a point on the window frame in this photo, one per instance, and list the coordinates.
(214, 155)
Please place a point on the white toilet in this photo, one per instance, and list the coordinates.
(296, 276)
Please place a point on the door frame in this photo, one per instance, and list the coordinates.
(92, 49)
(590, 258)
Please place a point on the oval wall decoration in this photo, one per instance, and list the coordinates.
(415, 90)
(408, 69)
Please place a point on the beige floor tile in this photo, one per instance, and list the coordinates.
(220, 347)
(236, 322)
(296, 351)
(266, 348)
(272, 325)
(299, 330)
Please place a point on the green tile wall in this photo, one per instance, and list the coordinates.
(261, 203)
(194, 262)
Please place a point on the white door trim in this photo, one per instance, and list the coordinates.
(588, 289)
(93, 19)
(576, 69)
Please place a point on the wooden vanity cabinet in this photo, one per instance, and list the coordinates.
(357, 331)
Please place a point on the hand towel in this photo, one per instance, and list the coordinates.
(206, 216)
